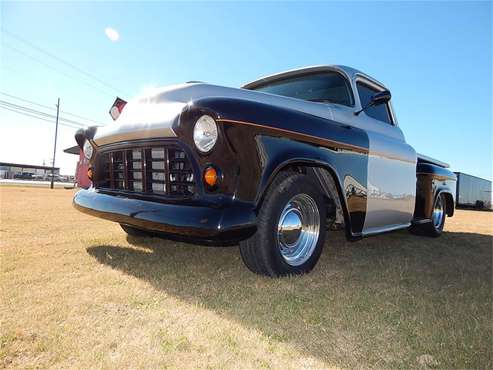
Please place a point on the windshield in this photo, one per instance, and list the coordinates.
(327, 87)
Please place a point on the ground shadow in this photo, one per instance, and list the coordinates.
(379, 302)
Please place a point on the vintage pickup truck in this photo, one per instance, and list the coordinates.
(273, 165)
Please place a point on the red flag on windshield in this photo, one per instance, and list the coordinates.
(117, 108)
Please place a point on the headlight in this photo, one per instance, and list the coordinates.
(88, 150)
(205, 133)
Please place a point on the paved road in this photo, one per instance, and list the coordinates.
(41, 184)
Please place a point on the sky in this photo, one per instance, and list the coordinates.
(435, 57)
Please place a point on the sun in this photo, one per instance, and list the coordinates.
(112, 34)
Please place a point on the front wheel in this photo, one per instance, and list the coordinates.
(291, 227)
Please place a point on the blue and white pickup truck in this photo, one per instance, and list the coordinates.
(273, 166)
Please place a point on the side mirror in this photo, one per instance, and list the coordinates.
(379, 98)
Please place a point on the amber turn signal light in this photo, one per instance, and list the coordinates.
(211, 177)
(89, 173)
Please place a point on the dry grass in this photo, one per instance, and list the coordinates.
(77, 294)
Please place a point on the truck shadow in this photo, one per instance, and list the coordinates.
(362, 302)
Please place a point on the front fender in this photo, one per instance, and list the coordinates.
(348, 170)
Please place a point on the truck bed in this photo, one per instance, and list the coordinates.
(425, 159)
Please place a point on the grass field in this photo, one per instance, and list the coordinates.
(76, 293)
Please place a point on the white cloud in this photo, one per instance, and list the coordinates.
(112, 34)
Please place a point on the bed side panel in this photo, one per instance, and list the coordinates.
(431, 181)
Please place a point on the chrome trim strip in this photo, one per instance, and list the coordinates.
(438, 177)
(382, 155)
(311, 138)
(149, 133)
(384, 229)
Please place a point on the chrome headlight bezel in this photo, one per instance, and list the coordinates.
(205, 133)
(88, 150)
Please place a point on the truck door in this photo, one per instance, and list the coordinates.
(391, 187)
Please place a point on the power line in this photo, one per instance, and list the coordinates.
(36, 117)
(60, 60)
(81, 117)
(48, 107)
(27, 114)
(26, 101)
(34, 111)
(32, 115)
(56, 70)
(30, 110)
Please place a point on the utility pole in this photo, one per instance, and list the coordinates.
(54, 146)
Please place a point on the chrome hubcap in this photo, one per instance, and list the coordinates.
(298, 229)
(438, 213)
(290, 227)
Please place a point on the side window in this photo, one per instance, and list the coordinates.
(327, 87)
(380, 112)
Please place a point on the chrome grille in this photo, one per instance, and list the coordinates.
(161, 170)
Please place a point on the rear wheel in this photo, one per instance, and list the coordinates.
(291, 228)
(435, 227)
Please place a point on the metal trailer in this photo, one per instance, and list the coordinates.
(473, 191)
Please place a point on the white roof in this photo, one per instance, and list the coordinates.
(349, 72)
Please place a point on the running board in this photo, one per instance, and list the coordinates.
(385, 229)
(421, 221)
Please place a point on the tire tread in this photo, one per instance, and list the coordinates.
(256, 254)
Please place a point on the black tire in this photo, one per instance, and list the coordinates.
(262, 252)
(138, 233)
(433, 229)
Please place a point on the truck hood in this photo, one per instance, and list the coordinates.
(154, 114)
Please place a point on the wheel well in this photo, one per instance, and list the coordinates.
(449, 204)
(327, 180)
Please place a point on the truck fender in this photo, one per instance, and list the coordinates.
(326, 166)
